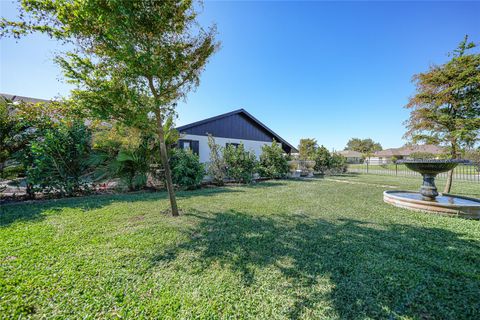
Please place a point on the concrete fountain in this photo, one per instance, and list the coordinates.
(428, 199)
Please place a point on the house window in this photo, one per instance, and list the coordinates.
(235, 145)
(189, 145)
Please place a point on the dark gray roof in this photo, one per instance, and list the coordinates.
(245, 114)
(22, 98)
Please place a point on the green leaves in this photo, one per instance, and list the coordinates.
(365, 146)
(187, 171)
(240, 163)
(60, 160)
(273, 161)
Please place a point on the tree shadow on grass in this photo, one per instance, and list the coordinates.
(36, 210)
(377, 271)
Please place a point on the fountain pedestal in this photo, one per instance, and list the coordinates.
(429, 189)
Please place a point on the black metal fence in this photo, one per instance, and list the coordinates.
(464, 172)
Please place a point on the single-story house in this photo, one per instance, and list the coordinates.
(389, 155)
(234, 127)
(351, 156)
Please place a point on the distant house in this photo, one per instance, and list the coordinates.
(351, 156)
(233, 128)
(389, 155)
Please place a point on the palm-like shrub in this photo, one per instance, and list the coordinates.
(273, 162)
(125, 153)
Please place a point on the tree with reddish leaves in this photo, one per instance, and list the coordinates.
(446, 106)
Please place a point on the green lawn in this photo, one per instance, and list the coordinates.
(326, 248)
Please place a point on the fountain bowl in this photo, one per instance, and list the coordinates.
(431, 166)
(444, 204)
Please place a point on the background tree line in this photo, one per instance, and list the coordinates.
(325, 162)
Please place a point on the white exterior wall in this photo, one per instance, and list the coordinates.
(379, 160)
(204, 150)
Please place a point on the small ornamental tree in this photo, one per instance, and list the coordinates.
(240, 163)
(217, 167)
(446, 106)
(307, 148)
(322, 159)
(130, 58)
(273, 162)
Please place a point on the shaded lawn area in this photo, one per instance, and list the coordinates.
(279, 249)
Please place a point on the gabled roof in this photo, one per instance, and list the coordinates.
(246, 114)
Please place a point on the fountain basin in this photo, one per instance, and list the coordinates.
(444, 204)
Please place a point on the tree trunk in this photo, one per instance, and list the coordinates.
(166, 166)
(448, 184)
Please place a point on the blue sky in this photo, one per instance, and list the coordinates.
(324, 70)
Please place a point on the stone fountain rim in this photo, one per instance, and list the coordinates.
(391, 193)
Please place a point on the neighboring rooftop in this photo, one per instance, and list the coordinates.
(22, 98)
(408, 150)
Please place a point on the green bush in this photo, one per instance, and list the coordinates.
(322, 159)
(61, 159)
(187, 171)
(338, 164)
(240, 163)
(273, 162)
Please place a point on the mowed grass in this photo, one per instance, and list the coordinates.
(324, 248)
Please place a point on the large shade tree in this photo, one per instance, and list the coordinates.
(446, 106)
(365, 146)
(130, 58)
